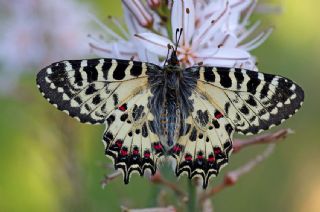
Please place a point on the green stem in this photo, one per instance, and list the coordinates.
(192, 197)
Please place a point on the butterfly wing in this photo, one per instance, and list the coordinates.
(207, 143)
(89, 90)
(227, 101)
(252, 101)
(129, 139)
(114, 92)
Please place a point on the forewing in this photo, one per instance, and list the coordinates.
(252, 101)
(206, 144)
(89, 90)
(130, 140)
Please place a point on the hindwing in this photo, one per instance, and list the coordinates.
(207, 143)
(129, 140)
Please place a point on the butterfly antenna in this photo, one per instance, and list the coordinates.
(167, 57)
(178, 37)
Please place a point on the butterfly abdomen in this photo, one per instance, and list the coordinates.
(170, 117)
(170, 124)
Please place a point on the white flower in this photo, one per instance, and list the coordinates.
(138, 18)
(37, 32)
(215, 32)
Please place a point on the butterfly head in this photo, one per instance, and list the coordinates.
(173, 60)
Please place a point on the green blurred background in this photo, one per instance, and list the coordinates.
(49, 162)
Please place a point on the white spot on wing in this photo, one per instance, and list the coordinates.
(84, 63)
(293, 87)
(129, 67)
(274, 111)
(144, 68)
(293, 96)
(272, 125)
(112, 68)
(74, 103)
(279, 104)
(67, 112)
(68, 66)
(287, 102)
(261, 76)
(100, 71)
(49, 71)
(65, 97)
(47, 79)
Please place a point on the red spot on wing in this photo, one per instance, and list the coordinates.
(124, 152)
(188, 157)
(147, 154)
(200, 157)
(157, 146)
(123, 107)
(135, 152)
(176, 148)
(211, 159)
(217, 151)
(218, 115)
(119, 143)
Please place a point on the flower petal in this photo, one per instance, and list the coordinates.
(225, 57)
(106, 29)
(257, 41)
(212, 25)
(211, 8)
(133, 26)
(231, 40)
(245, 34)
(237, 7)
(229, 53)
(154, 43)
(246, 64)
(183, 16)
(139, 12)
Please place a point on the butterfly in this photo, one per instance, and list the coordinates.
(188, 115)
